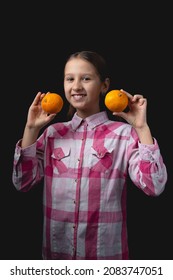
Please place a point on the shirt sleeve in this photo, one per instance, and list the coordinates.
(147, 169)
(27, 167)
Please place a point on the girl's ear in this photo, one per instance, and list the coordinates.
(105, 86)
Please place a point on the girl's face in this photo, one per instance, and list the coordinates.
(82, 86)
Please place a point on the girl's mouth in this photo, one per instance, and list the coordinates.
(78, 97)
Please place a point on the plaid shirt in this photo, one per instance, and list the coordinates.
(85, 164)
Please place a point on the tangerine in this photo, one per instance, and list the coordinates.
(52, 103)
(116, 100)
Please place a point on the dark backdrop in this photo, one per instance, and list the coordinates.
(34, 46)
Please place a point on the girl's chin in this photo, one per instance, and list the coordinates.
(78, 105)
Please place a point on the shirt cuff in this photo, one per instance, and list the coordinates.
(29, 151)
(149, 152)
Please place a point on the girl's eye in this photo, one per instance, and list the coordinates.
(69, 79)
(86, 78)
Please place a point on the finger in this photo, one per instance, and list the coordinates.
(137, 97)
(119, 114)
(142, 101)
(127, 93)
(37, 98)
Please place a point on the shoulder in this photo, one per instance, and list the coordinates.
(119, 126)
(59, 128)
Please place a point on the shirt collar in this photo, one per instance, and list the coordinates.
(92, 121)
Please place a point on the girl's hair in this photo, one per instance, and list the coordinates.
(100, 65)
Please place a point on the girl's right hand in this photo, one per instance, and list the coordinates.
(37, 118)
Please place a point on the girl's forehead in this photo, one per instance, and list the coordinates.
(78, 64)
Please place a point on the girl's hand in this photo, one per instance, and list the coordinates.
(37, 118)
(136, 116)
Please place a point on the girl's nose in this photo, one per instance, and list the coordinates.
(77, 85)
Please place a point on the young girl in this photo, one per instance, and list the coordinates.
(85, 163)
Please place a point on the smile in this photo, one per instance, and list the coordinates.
(78, 96)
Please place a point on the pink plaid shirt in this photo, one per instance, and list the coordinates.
(85, 164)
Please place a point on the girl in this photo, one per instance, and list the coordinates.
(85, 162)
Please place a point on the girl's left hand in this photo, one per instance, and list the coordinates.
(136, 115)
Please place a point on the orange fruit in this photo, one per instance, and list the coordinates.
(52, 103)
(116, 100)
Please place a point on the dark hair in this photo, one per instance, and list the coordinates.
(101, 68)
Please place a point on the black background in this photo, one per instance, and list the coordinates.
(35, 41)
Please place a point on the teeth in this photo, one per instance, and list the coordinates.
(78, 96)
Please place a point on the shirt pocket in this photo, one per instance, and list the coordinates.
(61, 159)
(101, 159)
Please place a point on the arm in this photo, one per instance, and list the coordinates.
(136, 116)
(146, 167)
(36, 119)
(28, 166)
(28, 163)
